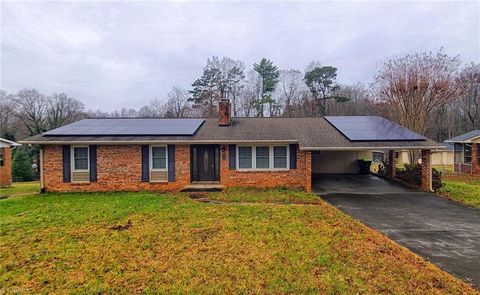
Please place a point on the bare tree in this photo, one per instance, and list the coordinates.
(411, 89)
(8, 119)
(31, 109)
(290, 88)
(468, 85)
(177, 104)
(358, 102)
(62, 110)
(250, 94)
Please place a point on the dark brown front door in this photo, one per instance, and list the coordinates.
(205, 162)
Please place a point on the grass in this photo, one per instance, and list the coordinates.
(17, 188)
(151, 243)
(462, 188)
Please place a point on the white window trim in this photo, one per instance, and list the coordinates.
(150, 165)
(72, 158)
(254, 157)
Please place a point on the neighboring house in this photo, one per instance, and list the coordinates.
(466, 150)
(6, 161)
(174, 154)
(442, 159)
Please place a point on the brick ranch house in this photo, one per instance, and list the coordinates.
(173, 154)
(6, 147)
(466, 152)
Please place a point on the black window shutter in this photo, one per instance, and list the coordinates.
(171, 162)
(232, 150)
(293, 156)
(66, 163)
(93, 163)
(145, 163)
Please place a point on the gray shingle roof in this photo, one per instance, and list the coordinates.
(465, 137)
(310, 133)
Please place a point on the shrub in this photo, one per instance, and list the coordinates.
(412, 173)
(22, 166)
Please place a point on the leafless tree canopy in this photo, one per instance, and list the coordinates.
(410, 89)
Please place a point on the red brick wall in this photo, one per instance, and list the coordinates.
(119, 169)
(475, 163)
(6, 169)
(298, 178)
(392, 165)
(426, 171)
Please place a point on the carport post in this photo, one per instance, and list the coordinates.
(391, 169)
(426, 171)
(475, 158)
(308, 171)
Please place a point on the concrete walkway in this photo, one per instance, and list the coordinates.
(439, 230)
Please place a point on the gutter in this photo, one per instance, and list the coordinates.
(43, 142)
(302, 148)
(372, 148)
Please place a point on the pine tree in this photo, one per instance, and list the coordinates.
(22, 166)
(269, 74)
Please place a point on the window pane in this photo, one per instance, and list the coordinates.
(159, 163)
(280, 157)
(245, 157)
(245, 163)
(81, 164)
(80, 158)
(245, 151)
(159, 152)
(468, 153)
(81, 152)
(263, 157)
(279, 162)
(280, 151)
(159, 157)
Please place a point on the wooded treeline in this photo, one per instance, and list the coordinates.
(430, 93)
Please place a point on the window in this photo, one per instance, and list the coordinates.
(377, 157)
(279, 157)
(467, 153)
(1, 156)
(478, 153)
(159, 158)
(245, 157)
(262, 157)
(80, 158)
(458, 152)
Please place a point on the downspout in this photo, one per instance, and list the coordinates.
(42, 186)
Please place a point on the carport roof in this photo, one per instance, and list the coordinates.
(310, 133)
(466, 137)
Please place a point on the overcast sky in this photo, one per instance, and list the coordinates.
(123, 54)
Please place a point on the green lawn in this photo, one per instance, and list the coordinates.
(29, 187)
(462, 188)
(152, 243)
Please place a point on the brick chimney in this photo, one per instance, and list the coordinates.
(224, 118)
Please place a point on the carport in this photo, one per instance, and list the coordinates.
(337, 146)
(339, 167)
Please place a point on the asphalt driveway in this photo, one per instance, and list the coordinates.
(439, 230)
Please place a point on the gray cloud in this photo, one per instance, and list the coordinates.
(123, 54)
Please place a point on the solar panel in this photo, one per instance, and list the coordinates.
(371, 128)
(128, 127)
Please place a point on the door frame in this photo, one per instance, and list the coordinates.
(194, 161)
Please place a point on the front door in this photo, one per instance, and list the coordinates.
(205, 162)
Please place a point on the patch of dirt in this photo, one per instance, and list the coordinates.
(121, 227)
(197, 195)
(206, 233)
